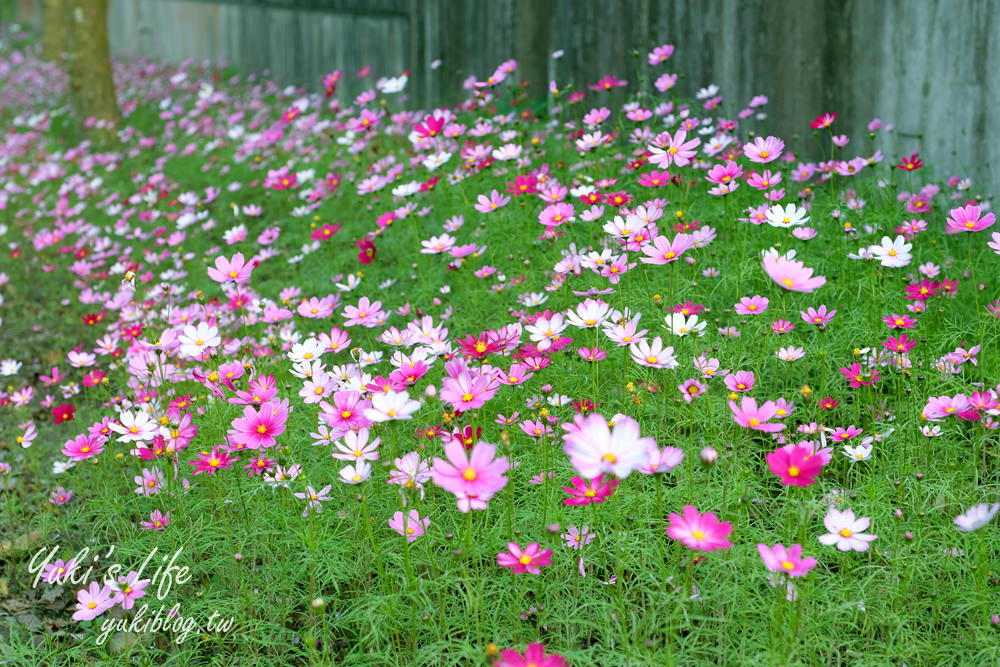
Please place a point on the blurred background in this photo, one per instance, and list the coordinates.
(927, 67)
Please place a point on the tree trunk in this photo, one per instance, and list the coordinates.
(89, 63)
(55, 29)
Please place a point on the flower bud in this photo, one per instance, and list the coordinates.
(318, 603)
(709, 456)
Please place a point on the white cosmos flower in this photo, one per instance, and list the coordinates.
(387, 406)
(976, 517)
(679, 325)
(860, 453)
(846, 531)
(786, 216)
(892, 253)
(195, 339)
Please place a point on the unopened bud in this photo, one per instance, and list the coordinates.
(709, 456)
(318, 603)
(431, 391)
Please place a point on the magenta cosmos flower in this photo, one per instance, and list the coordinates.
(473, 480)
(531, 559)
(701, 532)
(789, 561)
(234, 269)
(791, 275)
(83, 446)
(796, 465)
(594, 448)
(210, 462)
(534, 655)
(584, 492)
(256, 429)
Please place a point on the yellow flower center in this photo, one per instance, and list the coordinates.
(793, 471)
(845, 532)
(697, 534)
(469, 474)
(787, 565)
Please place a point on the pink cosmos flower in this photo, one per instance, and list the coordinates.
(83, 446)
(347, 412)
(789, 561)
(819, 317)
(754, 305)
(491, 203)
(556, 214)
(740, 381)
(156, 521)
(763, 150)
(726, 174)
(691, 388)
(663, 461)
(663, 251)
(593, 448)
(667, 149)
(411, 527)
(234, 269)
(701, 532)
(475, 478)
(660, 54)
(534, 656)
(968, 218)
(748, 415)
(128, 589)
(796, 465)
(92, 602)
(60, 496)
(256, 429)
(781, 326)
(531, 559)
(466, 392)
(791, 274)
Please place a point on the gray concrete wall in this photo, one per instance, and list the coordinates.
(927, 66)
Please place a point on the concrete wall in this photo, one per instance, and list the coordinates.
(927, 66)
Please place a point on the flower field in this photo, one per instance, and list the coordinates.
(625, 376)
